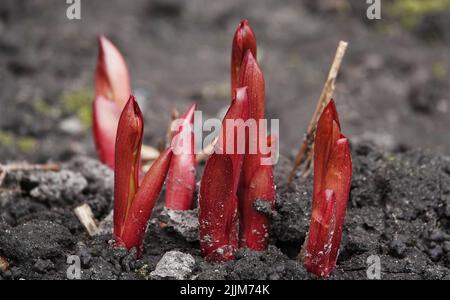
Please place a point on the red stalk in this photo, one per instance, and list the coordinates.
(257, 179)
(244, 39)
(112, 90)
(218, 201)
(181, 177)
(133, 204)
(332, 180)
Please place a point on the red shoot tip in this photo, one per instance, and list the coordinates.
(244, 39)
(218, 201)
(112, 90)
(252, 77)
(332, 180)
(126, 171)
(181, 176)
(112, 80)
(133, 204)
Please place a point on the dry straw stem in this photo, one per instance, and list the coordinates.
(4, 264)
(16, 167)
(86, 217)
(172, 125)
(149, 154)
(207, 151)
(305, 153)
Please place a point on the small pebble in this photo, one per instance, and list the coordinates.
(397, 248)
(274, 276)
(280, 268)
(174, 265)
(42, 266)
(447, 247)
(184, 223)
(447, 211)
(435, 253)
(7, 275)
(72, 126)
(84, 254)
(437, 236)
(16, 272)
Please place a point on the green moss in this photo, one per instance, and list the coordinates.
(391, 157)
(417, 7)
(409, 22)
(381, 28)
(6, 138)
(26, 144)
(439, 70)
(344, 8)
(44, 108)
(23, 144)
(411, 11)
(79, 102)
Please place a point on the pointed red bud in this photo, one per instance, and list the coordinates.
(181, 177)
(126, 171)
(112, 90)
(244, 39)
(112, 80)
(252, 77)
(218, 202)
(332, 180)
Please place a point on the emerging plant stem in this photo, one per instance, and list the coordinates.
(306, 151)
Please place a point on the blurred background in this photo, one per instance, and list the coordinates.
(393, 88)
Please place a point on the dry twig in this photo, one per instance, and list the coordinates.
(4, 264)
(86, 217)
(207, 151)
(149, 153)
(305, 153)
(172, 125)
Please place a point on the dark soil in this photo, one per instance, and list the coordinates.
(399, 210)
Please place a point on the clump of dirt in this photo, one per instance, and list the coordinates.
(399, 210)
